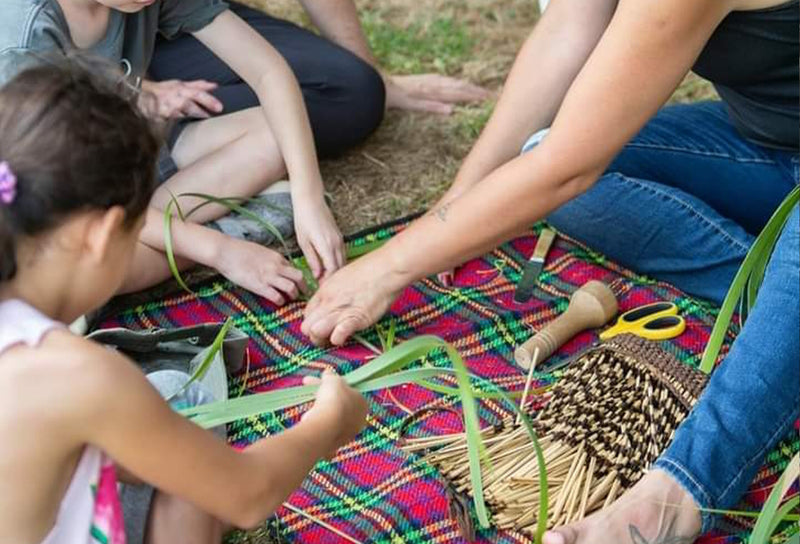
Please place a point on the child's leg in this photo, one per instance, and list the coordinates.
(231, 155)
(149, 267)
(154, 517)
(344, 96)
(175, 520)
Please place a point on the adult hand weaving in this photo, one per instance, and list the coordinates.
(677, 194)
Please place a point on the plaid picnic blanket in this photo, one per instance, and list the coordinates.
(373, 491)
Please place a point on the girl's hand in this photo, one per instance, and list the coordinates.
(338, 407)
(351, 300)
(261, 270)
(176, 99)
(318, 236)
(432, 93)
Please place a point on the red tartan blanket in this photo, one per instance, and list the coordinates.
(373, 491)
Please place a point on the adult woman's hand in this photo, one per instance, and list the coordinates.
(349, 301)
(176, 99)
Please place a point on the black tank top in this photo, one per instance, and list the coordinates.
(752, 60)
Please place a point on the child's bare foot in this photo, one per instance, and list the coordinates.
(657, 510)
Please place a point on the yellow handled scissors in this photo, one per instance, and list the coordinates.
(656, 321)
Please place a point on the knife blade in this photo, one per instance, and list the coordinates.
(533, 267)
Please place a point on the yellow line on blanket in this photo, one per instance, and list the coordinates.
(321, 523)
(384, 523)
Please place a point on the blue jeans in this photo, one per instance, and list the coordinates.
(682, 203)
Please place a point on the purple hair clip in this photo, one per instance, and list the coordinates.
(8, 184)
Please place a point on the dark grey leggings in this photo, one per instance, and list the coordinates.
(344, 95)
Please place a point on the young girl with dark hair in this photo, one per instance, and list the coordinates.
(237, 154)
(77, 165)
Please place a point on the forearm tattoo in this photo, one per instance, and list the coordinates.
(441, 212)
(664, 537)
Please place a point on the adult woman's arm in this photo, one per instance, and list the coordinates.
(542, 73)
(643, 55)
(267, 73)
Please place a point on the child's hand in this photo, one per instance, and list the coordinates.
(319, 237)
(177, 99)
(339, 407)
(261, 270)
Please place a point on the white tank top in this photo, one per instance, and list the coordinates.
(77, 521)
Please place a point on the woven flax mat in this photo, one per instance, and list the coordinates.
(372, 490)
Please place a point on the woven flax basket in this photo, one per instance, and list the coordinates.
(610, 416)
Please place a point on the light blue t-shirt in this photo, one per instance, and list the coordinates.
(32, 30)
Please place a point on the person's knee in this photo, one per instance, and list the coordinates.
(591, 207)
(366, 91)
(262, 150)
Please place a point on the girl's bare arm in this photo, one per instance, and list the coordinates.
(120, 412)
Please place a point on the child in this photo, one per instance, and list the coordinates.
(231, 155)
(76, 176)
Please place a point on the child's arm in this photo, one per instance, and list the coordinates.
(120, 412)
(251, 266)
(271, 78)
(175, 99)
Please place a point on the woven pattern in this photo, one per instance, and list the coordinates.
(608, 419)
(372, 490)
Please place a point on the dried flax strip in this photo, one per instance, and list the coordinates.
(597, 433)
(586, 488)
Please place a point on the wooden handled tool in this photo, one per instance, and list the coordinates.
(593, 305)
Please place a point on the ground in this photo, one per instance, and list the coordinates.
(413, 158)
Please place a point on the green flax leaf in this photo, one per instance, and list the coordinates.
(766, 522)
(168, 249)
(201, 370)
(387, 370)
(235, 205)
(747, 280)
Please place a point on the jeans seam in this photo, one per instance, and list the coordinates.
(699, 152)
(789, 415)
(704, 500)
(664, 194)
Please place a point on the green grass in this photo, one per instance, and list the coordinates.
(470, 120)
(440, 44)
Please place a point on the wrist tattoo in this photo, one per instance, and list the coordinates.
(441, 212)
(664, 537)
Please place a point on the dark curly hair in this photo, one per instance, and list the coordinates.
(75, 142)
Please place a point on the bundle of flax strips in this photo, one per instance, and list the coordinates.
(610, 416)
